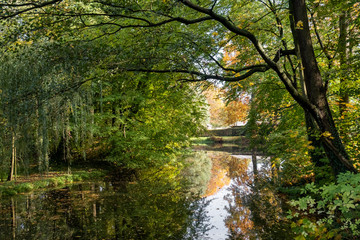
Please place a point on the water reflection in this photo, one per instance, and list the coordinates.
(154, 208)
(245, 200)
(164, 204)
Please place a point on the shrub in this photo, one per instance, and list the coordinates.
(77, 178)
(69, 178)
(336, 203)
(61, 181)
(24, 187)
(9, 192)
(53, 182)
(41, 184)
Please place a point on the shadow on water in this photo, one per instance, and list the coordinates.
(163, 204)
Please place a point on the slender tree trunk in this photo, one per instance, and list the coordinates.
(13, 159)
(344, 96)
(316, 92)
(343, 57)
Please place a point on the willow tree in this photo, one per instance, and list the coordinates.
(142, 119)
(39, 94)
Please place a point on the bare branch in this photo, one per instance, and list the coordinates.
(212, 7)
(323, 48)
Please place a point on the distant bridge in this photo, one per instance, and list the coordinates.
(232, 131)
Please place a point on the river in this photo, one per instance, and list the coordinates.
(215, 196)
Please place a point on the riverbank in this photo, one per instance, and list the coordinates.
(53, 179)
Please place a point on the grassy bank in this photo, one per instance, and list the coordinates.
(52, 180)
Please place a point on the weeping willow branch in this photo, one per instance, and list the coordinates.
(49, 95)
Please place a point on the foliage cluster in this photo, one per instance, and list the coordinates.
(335, 205)
(225, 110)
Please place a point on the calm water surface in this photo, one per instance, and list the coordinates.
(233, 204)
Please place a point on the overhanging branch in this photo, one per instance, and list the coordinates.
(29, 6)
(202, 76)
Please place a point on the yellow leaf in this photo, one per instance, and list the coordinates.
(301, 237)
(299, 25)
(311, 147)
(326, 134)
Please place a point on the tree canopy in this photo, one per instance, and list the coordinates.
(126, 75)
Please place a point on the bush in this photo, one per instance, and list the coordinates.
(336, 203)
(41, 184)
(61, 181)
(24, 187)
(77, 178)
(53, 182)
(9, 192)
(69, 178)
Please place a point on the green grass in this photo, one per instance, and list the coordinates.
(11, 188)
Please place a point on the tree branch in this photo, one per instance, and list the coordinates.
(203, 76)
(31, 6)
(323, 48)
(303, 101)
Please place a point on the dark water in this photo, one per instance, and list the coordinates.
(163, 204)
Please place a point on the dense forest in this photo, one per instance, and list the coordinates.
(129, 82)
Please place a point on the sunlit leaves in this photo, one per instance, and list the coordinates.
(146, 121)
(336, 203)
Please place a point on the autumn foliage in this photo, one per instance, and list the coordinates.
(223, 112)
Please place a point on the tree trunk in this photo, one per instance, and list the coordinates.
(344, 96)
(316, 92)
(343, 57)
(13, 159)
(317, 152)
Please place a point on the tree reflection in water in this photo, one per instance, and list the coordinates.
(155, 207)
(255, 210)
